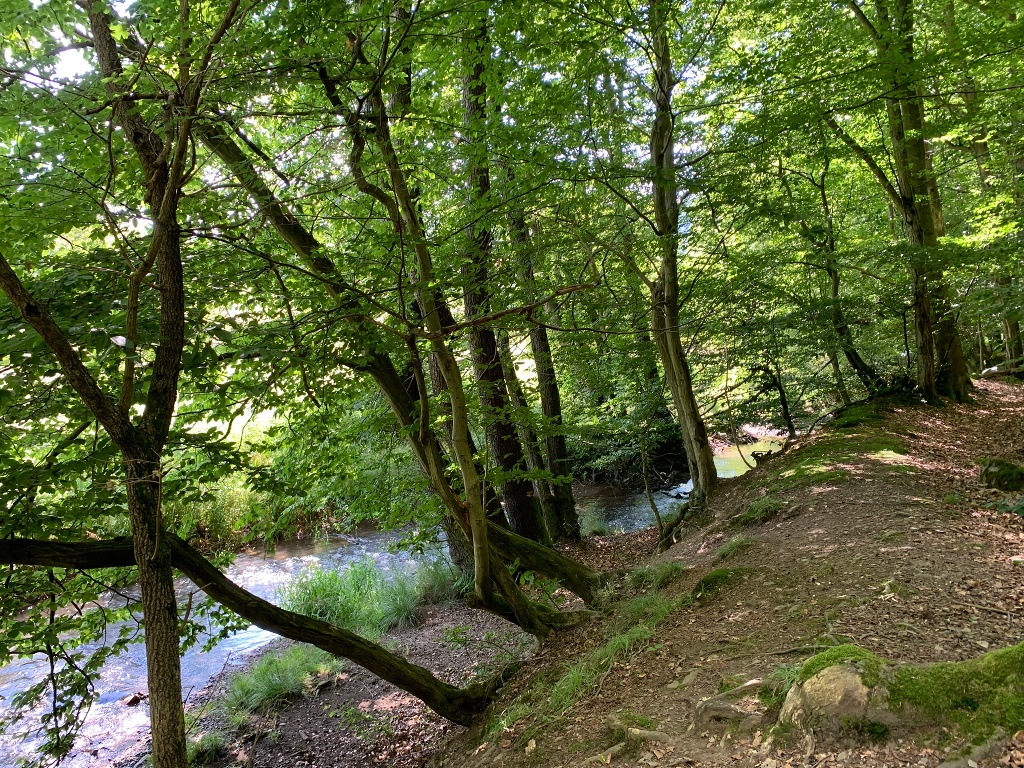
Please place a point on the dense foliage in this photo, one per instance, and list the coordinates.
(615, 223)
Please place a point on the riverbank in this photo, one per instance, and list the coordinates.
(879, 534)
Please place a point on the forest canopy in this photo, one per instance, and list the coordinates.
(450, 256)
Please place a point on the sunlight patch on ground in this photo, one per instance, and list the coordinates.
(393, 701)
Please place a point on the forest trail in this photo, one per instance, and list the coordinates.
(875, 531)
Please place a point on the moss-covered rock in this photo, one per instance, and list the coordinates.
(979, 695)
(849, 689)
(1002, 474)
(868, 664)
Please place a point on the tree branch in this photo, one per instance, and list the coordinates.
(456, 704)
(863, 19)
(868, 160)
(35, 314)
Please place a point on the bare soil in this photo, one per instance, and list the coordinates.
(901, 555)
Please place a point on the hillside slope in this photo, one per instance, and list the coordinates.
(875, 531)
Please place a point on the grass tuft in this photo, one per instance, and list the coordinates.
(714, 581)
(656, 575)
(207, 748)
(732, 546)
(759, 512)
(591, 523)
(359, 598)
(439, 582)
(277, 678)
(400, 605)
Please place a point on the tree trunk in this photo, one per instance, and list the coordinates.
(915, 196)
(159, 609)
(568, 522)
(521, 506)
(777, 383)
(941, 362)
(565, 522)
(868, 376)
(665, 325)
(527, 435)
(1012, 347)
(837, 374)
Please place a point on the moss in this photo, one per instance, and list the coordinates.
(979, 695)
(626, 718)
(819, 474)
(865, 729)
(856, 416)
(760, 511)
(1001, 474)
(820, 461)
(870, 665)
(714, 581)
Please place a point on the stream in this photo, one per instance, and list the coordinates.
(112, 728)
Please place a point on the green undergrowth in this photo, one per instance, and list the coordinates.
(655, 576)
(630, 627)
(363, 600)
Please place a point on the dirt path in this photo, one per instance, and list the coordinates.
(881, 538)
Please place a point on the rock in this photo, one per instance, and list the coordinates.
(690, 677)
(838, 695)
(751, 723)
(135, 699)
(716, 709)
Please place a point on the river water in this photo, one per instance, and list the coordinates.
(113, 729)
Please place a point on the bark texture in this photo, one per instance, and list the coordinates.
(665, 320)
